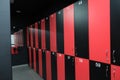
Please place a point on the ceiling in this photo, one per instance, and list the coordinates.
(26, 12)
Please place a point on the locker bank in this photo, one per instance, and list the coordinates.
(60, 40)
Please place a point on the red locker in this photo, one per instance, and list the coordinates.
(115, 72)
(81, 69)
(53, 32)
(99, 30)
(30, 57)
(69, 30)
(48, 65)
(40, 62)
(34, 58)
(31, 36)
(36, 35)
(60, 67)
(43, 34)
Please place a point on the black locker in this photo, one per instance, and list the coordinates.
(54, 65)
(69, 68)
(44, 64)
(37, 61)
(47, 27)
(115, 31)
(32, 58)
(99, 71)
(81, 28)
(39, 34)
(33, 33)
(60, 31)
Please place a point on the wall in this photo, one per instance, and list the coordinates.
(5, 56)
(79, 42)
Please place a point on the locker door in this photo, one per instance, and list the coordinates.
(115, 31)
(99, 71)
(48, 65)
(34, 58)
(54, 65)
(40, 63)
(115, 72)
(69, 30)
(53, 43)
(47, 30)
(39, 34)
(81, 28)
(30, 57)
(31, 37)
(44, 64)
(60, 31)
(99, 30)
(81, 69)
(33, 33)
(37, 61)
(69, 68)
(60, 66)
(36, 35)
(27, 34)
(43, 39)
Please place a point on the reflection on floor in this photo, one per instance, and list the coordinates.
(23, 72)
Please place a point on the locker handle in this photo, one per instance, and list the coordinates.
(107, 59)
(106, 71)
(114, 56)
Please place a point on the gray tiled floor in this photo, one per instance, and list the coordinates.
(24, 73)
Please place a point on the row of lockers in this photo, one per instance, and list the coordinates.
(84, 29)
(56, 66)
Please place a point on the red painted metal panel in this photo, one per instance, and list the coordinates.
(53, 39)
(60, 66)
(36, 35)
(30, 57)
(43, 34)
(81, 69)
(69, 30)
(31, 36)
(99, 30)
(34, 58)
(115, 72)
(48, 65)
(40, 63)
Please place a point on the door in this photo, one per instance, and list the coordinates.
(81, 28)
(53, 40)
(81, 69)
(99, 30)
(43, 38)
(44, 64)
(69, 30)
(40, 62)
(99, 71)
(69, 68)
(60, 66)
(60, 31)
(37, 61)
(48, 65)
(34, 58)
(115, 31)
(115, 72)
(36, 35)
(47, 33)
(54, 65)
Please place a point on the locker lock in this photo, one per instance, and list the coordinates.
(80, 2)
(98, 65)
(80, 60)
(60, 55)
(68, 57)
(59, 12)
(53, 53)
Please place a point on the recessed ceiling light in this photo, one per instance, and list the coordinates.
(18, 11)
